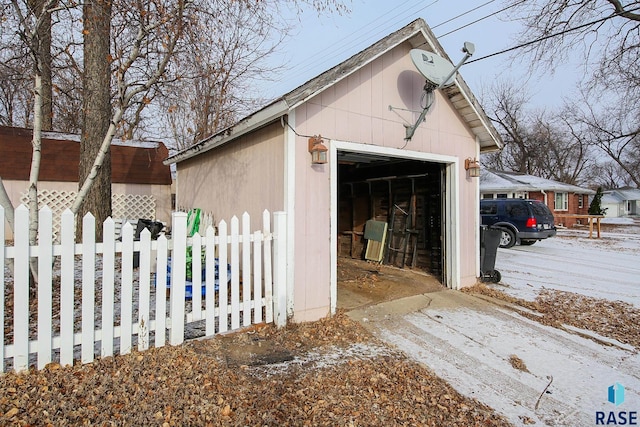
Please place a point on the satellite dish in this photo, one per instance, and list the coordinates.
(433, 67)
(439, 73)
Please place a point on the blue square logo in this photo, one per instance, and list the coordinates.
(616, 394)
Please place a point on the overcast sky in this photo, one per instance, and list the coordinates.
(320, 43)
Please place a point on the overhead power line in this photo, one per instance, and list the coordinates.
(568, 30)
(462, 14)
(477, 20)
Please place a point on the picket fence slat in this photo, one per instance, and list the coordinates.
(196, 276)
(67, 284)
(246, 270)
(223, 295)
(101, 291)
(210, 271)
(235, 274)
(45, 288)
(178, 278)
(88, 286)
(257, 277)
(21, 291)
(266, 225)
(2, 290)
(161, 295)
(144, 290)
(108, 287)
(126, 289)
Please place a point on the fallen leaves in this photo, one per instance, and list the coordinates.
(612, 319)
(517, 363)
(340, 375)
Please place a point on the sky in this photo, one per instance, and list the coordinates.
(319, 43)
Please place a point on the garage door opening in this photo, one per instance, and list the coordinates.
(390, 227)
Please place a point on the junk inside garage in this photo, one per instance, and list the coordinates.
(391, 211)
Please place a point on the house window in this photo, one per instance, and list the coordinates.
(561, 202)
(501, 196)
(580, 203)
(487, 196)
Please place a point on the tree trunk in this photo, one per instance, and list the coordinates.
(44, 55)
(96, 111)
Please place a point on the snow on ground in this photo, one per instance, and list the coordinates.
(469, 342)
(607, 268)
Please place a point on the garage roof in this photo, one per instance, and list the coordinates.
(419, 35)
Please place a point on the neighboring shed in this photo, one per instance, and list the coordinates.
(561, 198)
(420, 187)
(621, 202)
(141, 183)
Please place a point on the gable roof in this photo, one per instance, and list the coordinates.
(498, 181)
(131, 162)
(624, 194)
(418, 34)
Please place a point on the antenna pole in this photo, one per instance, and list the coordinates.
(410, 130)
(467, 55)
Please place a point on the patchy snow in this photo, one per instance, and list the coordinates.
(607, 268)
(469, 342)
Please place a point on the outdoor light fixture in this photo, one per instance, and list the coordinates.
(473, 166)
(318, 150)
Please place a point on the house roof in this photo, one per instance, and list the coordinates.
(418, 34)
(132, 162)
(626, 193)
(498, 181)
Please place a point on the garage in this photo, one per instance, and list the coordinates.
(334, 154)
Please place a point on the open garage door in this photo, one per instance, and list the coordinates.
(397, 202)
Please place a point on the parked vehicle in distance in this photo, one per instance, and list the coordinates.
(521, 220)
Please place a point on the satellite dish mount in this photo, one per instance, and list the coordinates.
(438, 72)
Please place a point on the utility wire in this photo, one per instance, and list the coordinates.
(479, 19)
(568, 30)
(462, 14)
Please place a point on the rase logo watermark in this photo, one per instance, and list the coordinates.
(615, 395)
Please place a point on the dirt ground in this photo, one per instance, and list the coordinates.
(362, 283)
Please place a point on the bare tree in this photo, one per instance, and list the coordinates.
(537, 143)
(96, 109)
(606, 33)
(615, 131)
(147, 43)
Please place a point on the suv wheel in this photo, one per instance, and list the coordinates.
(508, 238)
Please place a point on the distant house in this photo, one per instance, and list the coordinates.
(561, 198)
(621, 202)
(141, 183)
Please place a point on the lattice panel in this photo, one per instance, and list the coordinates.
(133, 206)
(125, 206)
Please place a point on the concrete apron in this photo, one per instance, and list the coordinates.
(469, 341)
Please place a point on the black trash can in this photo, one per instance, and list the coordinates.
(489, 242)
(155, 227)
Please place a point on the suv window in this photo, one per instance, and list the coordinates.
(488, 208)
(540, 209)
(517, 210)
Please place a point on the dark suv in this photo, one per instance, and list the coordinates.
(526, 221)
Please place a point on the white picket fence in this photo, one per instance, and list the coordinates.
(91, 301)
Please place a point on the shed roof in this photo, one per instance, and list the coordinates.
(418, 34)
(132, 162)
(499, 181)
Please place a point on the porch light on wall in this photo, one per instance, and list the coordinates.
(472, 166)
(318, 150)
